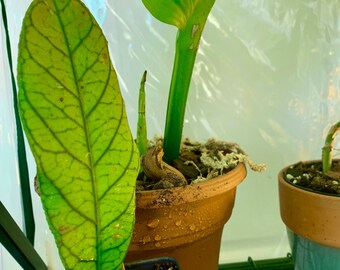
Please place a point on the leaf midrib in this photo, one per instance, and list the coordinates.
(92, 171)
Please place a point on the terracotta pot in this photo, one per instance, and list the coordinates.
(185, 223)
(313, 216)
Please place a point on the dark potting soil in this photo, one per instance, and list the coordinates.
(165, 266)
(197, 162)
(310, 176)
(189, 164)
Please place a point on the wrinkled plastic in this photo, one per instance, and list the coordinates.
(267, 76)
(309, 255)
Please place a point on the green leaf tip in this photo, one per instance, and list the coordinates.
(75, 121)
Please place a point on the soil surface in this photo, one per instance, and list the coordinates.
(197, 162)
(165, 266)
(309, 176)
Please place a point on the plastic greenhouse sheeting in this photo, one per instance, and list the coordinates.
(267, 76)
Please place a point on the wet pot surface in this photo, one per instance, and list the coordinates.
(185, 223)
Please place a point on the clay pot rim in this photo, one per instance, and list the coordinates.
(201, 184)
(310, 192)
(194, 192)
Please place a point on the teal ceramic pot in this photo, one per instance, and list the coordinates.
(309, 255)
(313, 223)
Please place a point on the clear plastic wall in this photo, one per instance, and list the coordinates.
(267, 76)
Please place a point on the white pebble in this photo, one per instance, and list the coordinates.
(335, 182)
(306, 175)
(289, 176)
(295, 181)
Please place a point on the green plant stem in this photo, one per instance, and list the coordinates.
(29, 225)
(327, 150)
(187, 44)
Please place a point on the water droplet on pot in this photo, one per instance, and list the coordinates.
(158, 237)
(146, 239)
(178, 223)
(158, 244)
(192, 227)
(153, 223)
(170, 216)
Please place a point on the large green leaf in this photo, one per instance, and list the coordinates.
(174, 12)
(74, 118)
(179, 12)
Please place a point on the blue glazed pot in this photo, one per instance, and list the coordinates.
(309, 255)
(313, 222)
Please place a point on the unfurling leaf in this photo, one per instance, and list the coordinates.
(75, 121)
(142, 137)
(174, 12)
